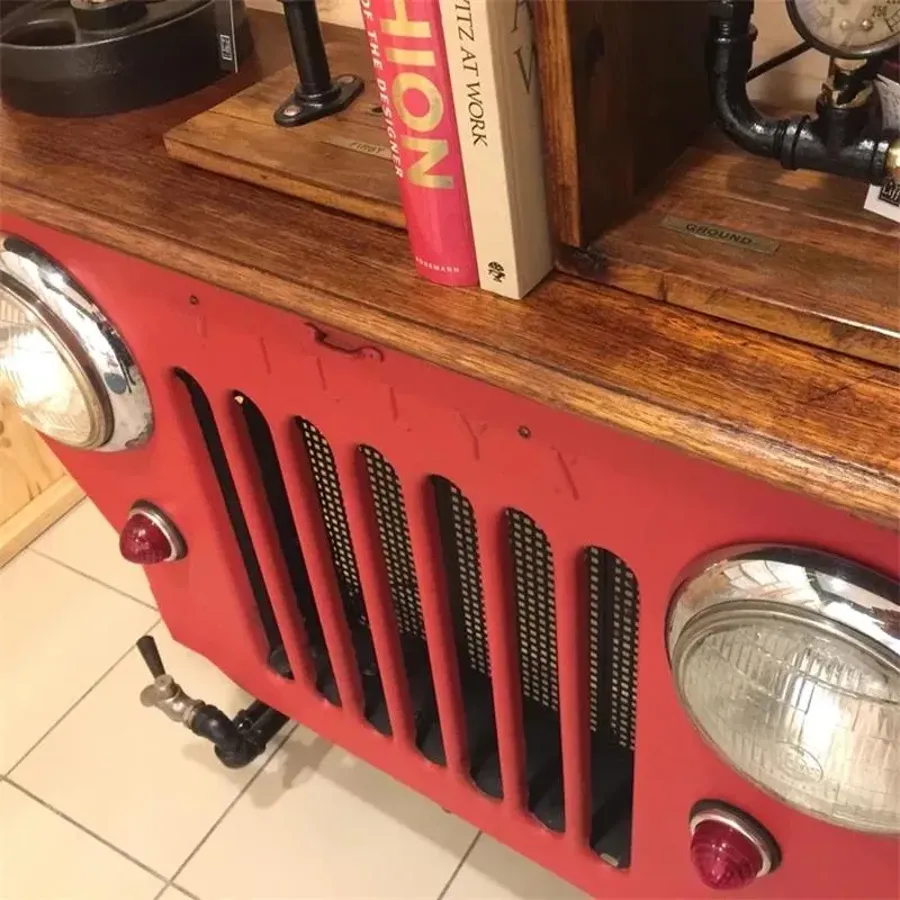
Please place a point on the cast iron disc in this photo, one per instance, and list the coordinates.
(84, 58)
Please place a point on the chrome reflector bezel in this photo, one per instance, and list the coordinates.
(851, 605)
(93, 348)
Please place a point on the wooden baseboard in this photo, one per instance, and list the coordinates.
(33, 519)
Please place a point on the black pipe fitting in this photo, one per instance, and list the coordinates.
(838, 141)
(211, 723)
(239, 742)
(302, 20)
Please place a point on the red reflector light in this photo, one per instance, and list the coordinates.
(150, 537)
(730, 850)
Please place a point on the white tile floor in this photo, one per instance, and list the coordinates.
(101, 798)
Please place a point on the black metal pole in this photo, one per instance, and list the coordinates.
(308, 47)
(317, 94)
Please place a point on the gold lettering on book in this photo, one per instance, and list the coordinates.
(381, 84)
(413, 81)
(432, 153)
(411, 57)
(402, 26)
(396, 98)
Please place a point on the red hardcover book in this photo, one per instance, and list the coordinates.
(407, 45)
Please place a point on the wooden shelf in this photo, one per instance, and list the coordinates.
(826, 273)
(829, 280)
(338, 162)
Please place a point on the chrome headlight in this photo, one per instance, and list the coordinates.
(62, 362)
(788, 662)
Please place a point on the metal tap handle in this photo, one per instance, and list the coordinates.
(150, 652)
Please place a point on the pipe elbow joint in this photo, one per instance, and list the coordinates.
(749, 130)
(836, 143)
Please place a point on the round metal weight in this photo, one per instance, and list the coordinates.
(94, 57)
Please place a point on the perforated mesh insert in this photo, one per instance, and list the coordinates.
(623, 700)
(613, 604)
(535, 608)
(465, 553)
(334, 516)
(393, 530)
(595, 593)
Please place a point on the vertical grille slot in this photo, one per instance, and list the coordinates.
(613, 600)
(462, 568)
(615, 669)
(393, 533)
(209, 431)
(269, 470)
(598, 624)
(532, 559)
(337, 531)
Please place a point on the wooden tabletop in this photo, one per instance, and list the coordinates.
(807, 419)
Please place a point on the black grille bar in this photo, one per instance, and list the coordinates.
(272, 480)
(213, 442)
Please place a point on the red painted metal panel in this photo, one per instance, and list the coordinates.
(501, 642)
(426, 553)
(571, 639)
(583, 484)
(263, 534)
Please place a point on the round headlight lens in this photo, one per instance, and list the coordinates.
(63, 363)
(792, 672)
(47, 383)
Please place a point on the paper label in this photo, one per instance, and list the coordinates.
(885, 199)
(225, 35)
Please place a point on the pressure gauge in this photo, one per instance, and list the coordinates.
(847, 29)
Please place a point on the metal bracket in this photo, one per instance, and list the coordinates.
(317, 95)
(299, 109)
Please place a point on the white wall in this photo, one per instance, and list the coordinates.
(795, 83)
(340, 12)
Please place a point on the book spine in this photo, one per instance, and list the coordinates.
(493, 71)
(407, 47)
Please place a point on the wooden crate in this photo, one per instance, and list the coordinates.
(35, 490)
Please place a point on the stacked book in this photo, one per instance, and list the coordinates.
(458, 86)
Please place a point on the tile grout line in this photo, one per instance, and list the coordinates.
(220, 819)
(83, 828)
(75, 705)
(176, 888)
(89, 577)
(459, 865)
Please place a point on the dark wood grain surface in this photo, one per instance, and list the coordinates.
(829, 278)
(833, 278)
(239, 138)
(809, 420)
(624, 92)
(617, 81)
